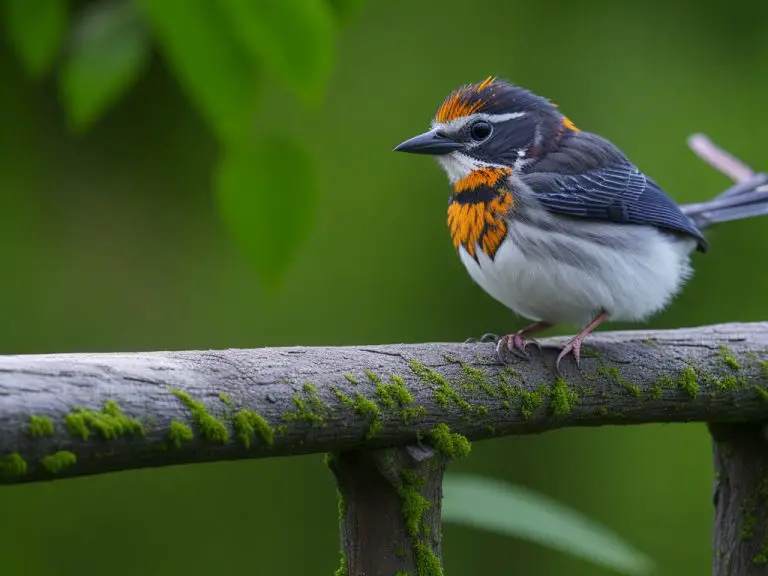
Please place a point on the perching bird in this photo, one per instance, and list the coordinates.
(555, 222)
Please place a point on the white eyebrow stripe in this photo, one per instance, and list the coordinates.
(495, 118)
(458, 123)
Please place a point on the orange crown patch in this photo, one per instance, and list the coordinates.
(463, 101)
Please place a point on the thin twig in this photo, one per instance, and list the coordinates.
(719, 159)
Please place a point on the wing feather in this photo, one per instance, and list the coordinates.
(618, 193)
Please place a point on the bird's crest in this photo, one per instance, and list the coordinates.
(492, 96)
(465, 100)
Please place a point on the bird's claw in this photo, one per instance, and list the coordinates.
(573, 347)
(487, 337)
(516, 344)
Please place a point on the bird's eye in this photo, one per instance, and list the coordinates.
(480, 130)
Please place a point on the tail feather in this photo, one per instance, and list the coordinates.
(745, 200)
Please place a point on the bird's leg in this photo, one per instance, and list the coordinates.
(517, 341)
(574, 345)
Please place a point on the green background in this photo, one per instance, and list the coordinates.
(111, 240)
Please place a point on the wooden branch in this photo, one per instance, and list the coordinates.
(77, 414)
(741, 499)
(389, 508)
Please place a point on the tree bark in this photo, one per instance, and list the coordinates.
(741, 499)
(389, 507)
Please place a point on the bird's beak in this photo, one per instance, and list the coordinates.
(431, 142)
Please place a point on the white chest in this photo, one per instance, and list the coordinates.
(566, 279)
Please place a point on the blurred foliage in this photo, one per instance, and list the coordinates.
(217, 50)
(488, 504)
(120, 237)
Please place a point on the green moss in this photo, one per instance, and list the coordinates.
(602, 411)
(764, 369)
(615, 374)
(427, 562)
(506, 374)
(402, 572)
(727, 358)
(247, 423)
(225, 399)
(656, 391)
(450, 444)
(365, 408)
(589, 352)
(343, 398)
(413, 413)
(414, 509)
(688, 382)
(650, 342)
(474, 379)
(350, 378)
(530, 401)
(178, 433)
(12, 465)
(724, 383)
(762, 555)
(762, 392)
(341, 505)
(444, 393)
(211, 428)
(342, 569)
(393, 394)
(40, 426)
(108, 423)
(309, 409)
(563, 398)
(747, 530)
(59, 461)
(414, 505)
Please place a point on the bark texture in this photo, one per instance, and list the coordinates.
(741, 499)
(74, 414)
(389, 511)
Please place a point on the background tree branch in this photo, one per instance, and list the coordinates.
(76, 414)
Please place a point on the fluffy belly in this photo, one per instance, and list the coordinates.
(563, 279)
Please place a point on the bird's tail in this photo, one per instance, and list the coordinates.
(744, 200)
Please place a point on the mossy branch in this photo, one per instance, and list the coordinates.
(77, 414)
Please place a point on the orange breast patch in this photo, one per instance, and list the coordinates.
(489, 177)
(479, 223)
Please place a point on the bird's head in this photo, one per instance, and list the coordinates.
(493, 123)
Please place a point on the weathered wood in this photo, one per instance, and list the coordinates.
(741, 499)
(389, 510)
(286, 401)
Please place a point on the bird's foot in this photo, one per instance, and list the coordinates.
(516, 344)
(574, 345)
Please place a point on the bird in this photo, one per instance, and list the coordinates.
(555, 222)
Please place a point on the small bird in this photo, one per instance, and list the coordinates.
(555, 222)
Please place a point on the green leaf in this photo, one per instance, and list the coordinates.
(266, 193)
(210, 64)
(35, 30)
(515, 511)
(109, 49)
(293, 38)
(345, 10)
